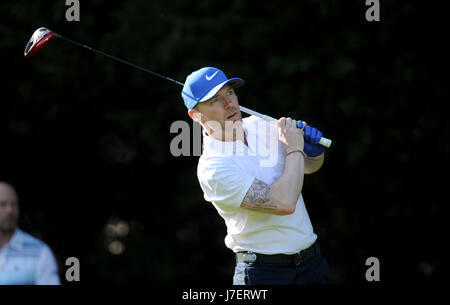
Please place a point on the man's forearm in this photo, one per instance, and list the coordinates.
(313, 164)
(288, 187)
(280, 198)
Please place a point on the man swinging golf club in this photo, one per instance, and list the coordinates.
(268, 227)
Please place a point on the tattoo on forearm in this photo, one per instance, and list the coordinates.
(257, 197)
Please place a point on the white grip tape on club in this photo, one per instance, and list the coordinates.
(323, 141)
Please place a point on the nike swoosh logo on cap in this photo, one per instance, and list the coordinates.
(211, 77)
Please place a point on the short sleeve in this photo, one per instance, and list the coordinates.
(223, 181)
(48, 269)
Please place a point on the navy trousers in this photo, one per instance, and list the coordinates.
(311, 272)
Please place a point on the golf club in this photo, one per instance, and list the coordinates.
(42, 36)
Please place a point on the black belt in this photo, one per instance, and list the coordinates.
(293, 259)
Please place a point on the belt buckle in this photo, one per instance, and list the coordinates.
(298, 258)
(249, 257)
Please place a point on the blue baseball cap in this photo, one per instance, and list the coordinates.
(203, 84)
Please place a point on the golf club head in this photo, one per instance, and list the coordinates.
(38, 41)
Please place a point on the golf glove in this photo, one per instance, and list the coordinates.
(312, 137)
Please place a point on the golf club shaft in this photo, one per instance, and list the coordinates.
(118, 59)
(323, 141)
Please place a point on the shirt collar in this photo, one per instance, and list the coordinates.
(16, 240)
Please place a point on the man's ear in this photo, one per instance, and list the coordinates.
(195, 115)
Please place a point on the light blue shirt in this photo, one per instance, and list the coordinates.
(26, 260)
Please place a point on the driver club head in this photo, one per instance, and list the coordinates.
(38, 41)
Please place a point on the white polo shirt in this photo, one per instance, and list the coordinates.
(226, 170)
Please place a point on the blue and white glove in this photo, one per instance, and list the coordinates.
(312, 137)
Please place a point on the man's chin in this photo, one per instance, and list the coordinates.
(6, 228)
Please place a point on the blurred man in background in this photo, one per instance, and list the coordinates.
(24, 260)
